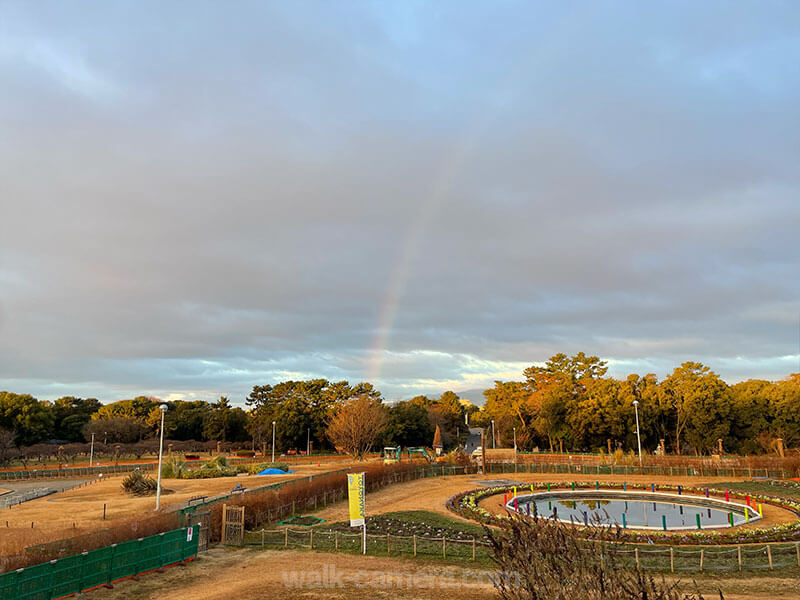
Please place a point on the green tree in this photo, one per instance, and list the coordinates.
(701, 404)
(299, 406)
(70, 414)
(216, 422)
(408, 425)
(30, 420)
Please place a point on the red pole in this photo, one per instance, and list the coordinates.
(748, 499)
(516, 508)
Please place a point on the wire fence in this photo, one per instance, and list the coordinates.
(73, 472)
(600, 469)
(662, 558)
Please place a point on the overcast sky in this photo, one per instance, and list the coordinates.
(197, 197)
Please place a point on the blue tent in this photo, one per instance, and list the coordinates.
(273, 472)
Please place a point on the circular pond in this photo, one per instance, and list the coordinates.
(636, 510)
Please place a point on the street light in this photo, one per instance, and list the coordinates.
(493, 440)
(638, 435)
(163, 409)
(515, 439)
(308, 442)
(91, 453)
(273, 441)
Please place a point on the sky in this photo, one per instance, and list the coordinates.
(199, 197)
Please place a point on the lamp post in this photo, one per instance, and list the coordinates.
(163, 409)
(515, 439)
(638, 435)
(308, 443)
(273, 441)
(91, 453)
(494, 443)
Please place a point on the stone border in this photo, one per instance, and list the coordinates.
(465, 504)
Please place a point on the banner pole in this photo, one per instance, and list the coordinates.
(364, 538)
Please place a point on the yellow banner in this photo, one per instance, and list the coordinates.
(356, 496)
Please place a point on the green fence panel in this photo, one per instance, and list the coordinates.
(79, 572)
(97, 567)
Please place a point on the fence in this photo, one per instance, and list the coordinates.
(81, 572)
(73, 472)
(598, 469)
(12, 499)
(377, 544)
(431, 470)
(662, 558)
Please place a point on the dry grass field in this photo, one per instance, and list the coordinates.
(225, 574)
(80, 511)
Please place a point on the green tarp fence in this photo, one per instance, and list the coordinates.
(73, 472)
(81, 572)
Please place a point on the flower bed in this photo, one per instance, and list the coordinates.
(466, 505)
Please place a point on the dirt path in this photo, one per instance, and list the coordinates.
(228, 574)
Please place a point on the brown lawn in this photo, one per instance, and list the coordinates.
(80, 511)
(231, 574)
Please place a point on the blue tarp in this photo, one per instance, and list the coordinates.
(273, 472)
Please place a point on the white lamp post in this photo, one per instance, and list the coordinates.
(494, 443)
(638, 435)
(163, 409)
(273, 441)
(91, 453)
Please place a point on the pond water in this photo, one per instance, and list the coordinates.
(639, 513)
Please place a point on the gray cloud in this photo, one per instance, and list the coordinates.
(197, 199)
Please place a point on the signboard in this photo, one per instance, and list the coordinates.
(356, 494)
(189, 533)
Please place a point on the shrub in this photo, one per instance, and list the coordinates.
(139, 484)
(245, 453)
(540, 559)
(216, 467)
(174, 468)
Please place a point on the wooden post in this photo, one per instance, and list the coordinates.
(224, 520)
(336, 540)
(769, 556)
(444, 547)
(262, 537)
(702, 553)
(636, 554)
(671, 560)
(286, 537)
(473, 549)
(387, 544)
(311, 539)
(415, 545)
(739, 552)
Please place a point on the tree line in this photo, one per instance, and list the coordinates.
(569, 404)
(303, 412)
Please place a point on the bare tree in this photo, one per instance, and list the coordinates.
(356, 425)
(541, 559)
(7, 447)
